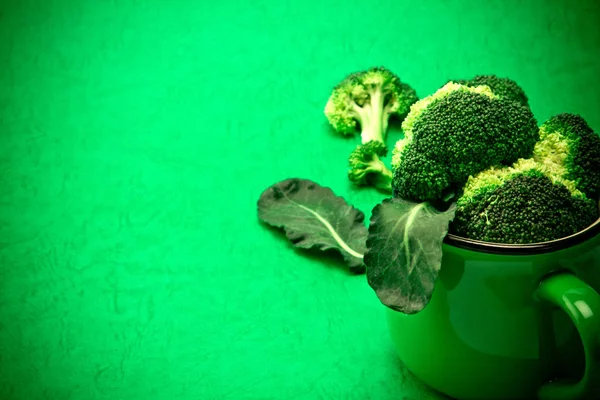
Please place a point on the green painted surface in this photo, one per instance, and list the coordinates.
(135, 138)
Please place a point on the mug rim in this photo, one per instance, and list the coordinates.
(524, 249)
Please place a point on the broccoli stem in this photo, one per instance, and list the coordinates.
(383, 180)
(372, 117)
(380, 176)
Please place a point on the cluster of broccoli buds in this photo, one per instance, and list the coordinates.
(474, 142)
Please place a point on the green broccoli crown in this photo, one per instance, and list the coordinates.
(455, 133)
(568, 141)
(520, 205)
(572, 125)
(502, 87)
(367, 168)
(368, 99)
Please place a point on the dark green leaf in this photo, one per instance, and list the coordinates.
(404, 252)
(314, 217)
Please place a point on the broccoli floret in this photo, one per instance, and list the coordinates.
(457, 132)
(368, 98)
(367, 168)
(525, 203)
(501, 87)
(568, 144)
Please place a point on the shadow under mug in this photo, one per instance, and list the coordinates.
(509, 321)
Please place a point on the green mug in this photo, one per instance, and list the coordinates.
(509, 321)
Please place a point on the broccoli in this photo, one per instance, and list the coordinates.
(524, 203)
(457, 132)
(367, 168)
(368, 98)
(568, 144)
(501, 87)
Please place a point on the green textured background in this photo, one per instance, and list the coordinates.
(135, 139)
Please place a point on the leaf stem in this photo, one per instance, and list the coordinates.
(334, 234)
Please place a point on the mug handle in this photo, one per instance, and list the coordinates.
(582, 305)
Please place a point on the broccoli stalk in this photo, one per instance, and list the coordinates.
(367, 168)
(372, 114)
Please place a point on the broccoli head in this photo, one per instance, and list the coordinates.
(524, 203)
(501, 87)
(368, 98)
(457, 132)
(568, 144)
(367, 168)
